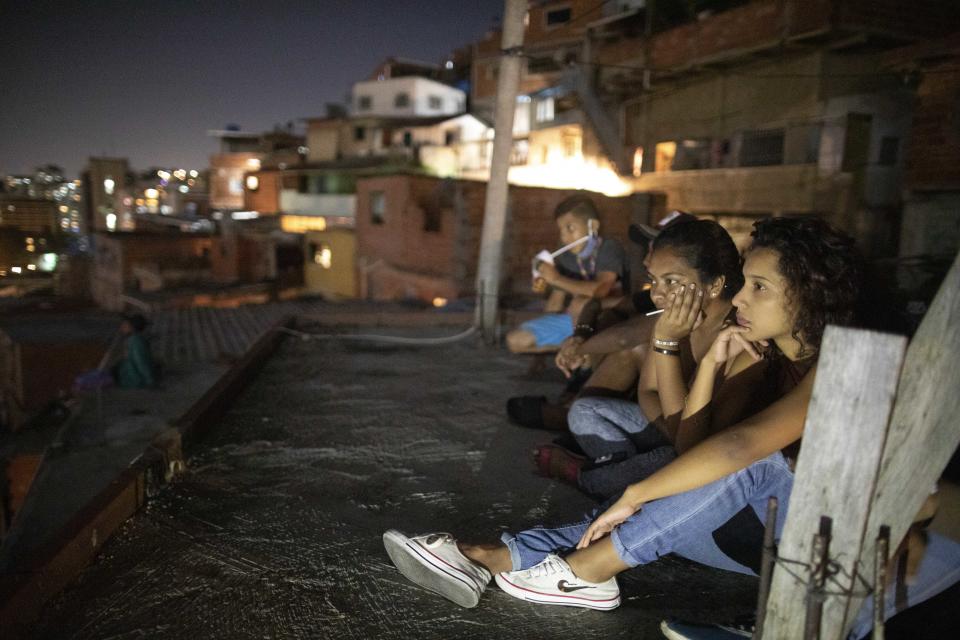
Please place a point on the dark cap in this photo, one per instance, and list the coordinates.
(644, 233)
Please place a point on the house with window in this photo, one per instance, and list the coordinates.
(243, 152)
(931, 154)
(405, 97)
(758, 109)
(418, 237)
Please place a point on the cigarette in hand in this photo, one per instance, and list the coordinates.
(653, 313)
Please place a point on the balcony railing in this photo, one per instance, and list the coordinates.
(798, 188)
(317, 204)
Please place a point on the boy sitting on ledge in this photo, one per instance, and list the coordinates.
(593, 269)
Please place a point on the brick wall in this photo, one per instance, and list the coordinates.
(933, 150)
(266, 197)
(29, 216)
(422, 264)
(116, 254)
(237, 258)
(227, 168)
(914, 19)
(741, 28)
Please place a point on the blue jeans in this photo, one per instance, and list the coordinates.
(681, 524)
(684, 524)
(616, 429)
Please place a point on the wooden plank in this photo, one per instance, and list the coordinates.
(924, 429)
(842, 446)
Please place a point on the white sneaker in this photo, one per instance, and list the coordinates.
(553, 582)
(434, 562)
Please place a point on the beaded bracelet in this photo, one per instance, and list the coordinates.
(667, 352)
(666, 343)
(583, 331)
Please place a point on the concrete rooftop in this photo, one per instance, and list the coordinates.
(274, 529)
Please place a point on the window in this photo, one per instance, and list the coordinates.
(556, 17)
(253, 183)
(889, 146)
(520, 152)
(638, 162)
(364, 103)
(321, 254)
(378, 207)
(435, 102)
(665, 153)
(761, 148)
(570, 140)
(691, 154)
(450, 137)
(407, 139)
(401, 100)
(542, 64)
(359, 133)
(235, 186)
(545, 110)
(432, 218)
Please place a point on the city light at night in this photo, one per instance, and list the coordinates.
(333, 319)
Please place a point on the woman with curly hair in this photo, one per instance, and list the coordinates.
(800, 275)
(695, 270)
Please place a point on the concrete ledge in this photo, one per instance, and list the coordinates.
(44, 574)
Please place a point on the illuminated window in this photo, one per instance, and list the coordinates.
(253, 183)
(571, 143)
(108, 186)
(545, 110)
(638, 162)
(665, 154)
(322, 254)
(378, 207)
(235, 186)
(520, 152)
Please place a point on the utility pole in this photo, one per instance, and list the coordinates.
(495, 207)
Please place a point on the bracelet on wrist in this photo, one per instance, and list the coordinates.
(666, 343)
(583, 331)
(667, 352)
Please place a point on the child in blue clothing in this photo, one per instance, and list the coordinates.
(593, 269)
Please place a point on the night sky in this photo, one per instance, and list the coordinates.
(147, 79)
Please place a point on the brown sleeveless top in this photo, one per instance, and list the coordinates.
(749, 392)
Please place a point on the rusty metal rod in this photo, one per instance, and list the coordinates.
(881, 559)
(766, 566)
(819, 555)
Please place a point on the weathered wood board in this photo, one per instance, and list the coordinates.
(853, 395)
